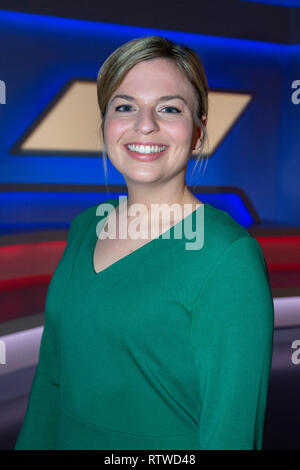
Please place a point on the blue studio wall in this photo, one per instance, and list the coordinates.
(260, 154)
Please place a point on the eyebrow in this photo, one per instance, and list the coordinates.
(162, 98)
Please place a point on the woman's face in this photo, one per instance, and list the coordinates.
(143, 117)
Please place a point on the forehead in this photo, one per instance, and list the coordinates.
(156, 77)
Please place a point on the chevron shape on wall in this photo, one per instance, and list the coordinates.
(71, 122)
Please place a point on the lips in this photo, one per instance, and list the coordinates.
(144, 157)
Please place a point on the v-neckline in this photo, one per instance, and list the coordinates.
(130, 256)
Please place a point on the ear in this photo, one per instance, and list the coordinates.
(197, 137)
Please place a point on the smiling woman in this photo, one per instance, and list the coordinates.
(152, 344)
(183, 74)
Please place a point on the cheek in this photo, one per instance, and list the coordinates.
(181, 133)
(113, 130)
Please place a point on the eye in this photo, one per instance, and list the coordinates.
(172, 107)
(166, 107)
(122, 106)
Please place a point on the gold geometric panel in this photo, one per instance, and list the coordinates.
(224, 109)
(73, 122)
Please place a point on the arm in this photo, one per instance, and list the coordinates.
(232, 338)
(40, 422)
(39, 426)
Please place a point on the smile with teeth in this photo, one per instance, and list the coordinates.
(146, 149)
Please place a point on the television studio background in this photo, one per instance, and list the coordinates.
(51, 162)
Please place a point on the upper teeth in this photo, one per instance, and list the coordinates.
(146, 148)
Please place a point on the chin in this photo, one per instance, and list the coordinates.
(139, 177)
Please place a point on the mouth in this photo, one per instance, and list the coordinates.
(146, 153)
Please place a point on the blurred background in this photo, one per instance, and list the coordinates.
(51, 162)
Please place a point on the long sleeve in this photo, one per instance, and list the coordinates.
(40, 422)
(232, 338)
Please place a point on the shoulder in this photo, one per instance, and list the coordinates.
(230, 249)
(221, 231)
(234, 287)
(224, 242)
(83, 219)
(221, 223)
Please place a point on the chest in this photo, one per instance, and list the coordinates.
(108, 251)
(111, 249)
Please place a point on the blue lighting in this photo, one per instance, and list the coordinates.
(283, 3)
(231, 203)
(50, 211)
(53, 50)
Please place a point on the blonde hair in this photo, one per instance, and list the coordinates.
(125, 57)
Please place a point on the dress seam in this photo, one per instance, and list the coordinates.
(199, 292)
(141, 436)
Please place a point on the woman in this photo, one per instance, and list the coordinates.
(148, 344)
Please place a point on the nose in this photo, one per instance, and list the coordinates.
(146, 121)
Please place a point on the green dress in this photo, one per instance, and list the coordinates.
(167, 348)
